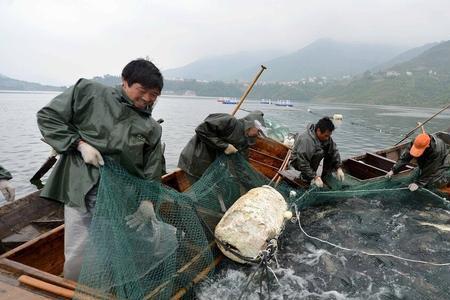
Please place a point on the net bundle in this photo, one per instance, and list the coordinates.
(159, 258)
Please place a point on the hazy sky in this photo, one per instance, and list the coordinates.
(58, 41)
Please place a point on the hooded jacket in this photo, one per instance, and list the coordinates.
(212, 137)
(105, 118)
(308, 151)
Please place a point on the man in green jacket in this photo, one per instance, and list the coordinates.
(311, 147)
(433, 160)
(6, 187)
(89, 121)
(219, 133)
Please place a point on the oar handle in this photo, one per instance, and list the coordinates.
(236, 108)
(421, 124)
(48, 287)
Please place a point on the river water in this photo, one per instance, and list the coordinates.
(305, 265)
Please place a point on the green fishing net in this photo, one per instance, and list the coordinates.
(159, 257)
(163, 256)
(277, 131)
(379, 187)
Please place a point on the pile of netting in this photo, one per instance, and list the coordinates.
(131, 256)
(163, 256)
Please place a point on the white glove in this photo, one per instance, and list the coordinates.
(90, 154)
(340, 174)
(230, 149)
(317, 181)
(7, 190)
(144, 214)
(413, 187)
(389, 174)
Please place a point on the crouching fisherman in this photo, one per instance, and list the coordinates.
(91, 120)
(219, 133)
(311, 147)
(433, 160)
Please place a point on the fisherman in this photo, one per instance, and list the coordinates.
(89, 121)
(311, 147)
(7, 189)
(219, 133)
(433, 160)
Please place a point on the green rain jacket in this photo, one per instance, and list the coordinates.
(212, 137)
(433, 164)
(4, 174)
(106, 119)
(308, 151)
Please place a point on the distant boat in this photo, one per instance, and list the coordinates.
(265, 101)
(230, 101)
(284, 103)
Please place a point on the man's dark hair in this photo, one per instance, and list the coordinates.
(143, 72)
(325, 124)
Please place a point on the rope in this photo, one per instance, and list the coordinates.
(374, 128)
(249, 280)
(264, 268)
(307, 192)
(443, 199)
(357, 191)
(436, 195)
(364, 252)
(267, 279)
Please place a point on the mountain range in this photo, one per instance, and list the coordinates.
(223, 68)
(7, 83)
(324, 57)
(328, 71)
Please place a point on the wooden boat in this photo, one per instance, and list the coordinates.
(287, 103)
(39, 261)
(230, 101)
(371, 166)
(265, 101)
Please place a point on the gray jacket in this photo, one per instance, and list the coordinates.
(308, 151)
(433, 164)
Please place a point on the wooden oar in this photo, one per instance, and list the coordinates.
(51, 160)
(421, 124)
(236, 108)
(48, 287)
(283, 167)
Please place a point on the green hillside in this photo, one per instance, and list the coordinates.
(421, 81)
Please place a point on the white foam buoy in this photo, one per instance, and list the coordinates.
(251, 221)
(338, 117)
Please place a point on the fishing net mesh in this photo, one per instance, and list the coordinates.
(133, 256)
